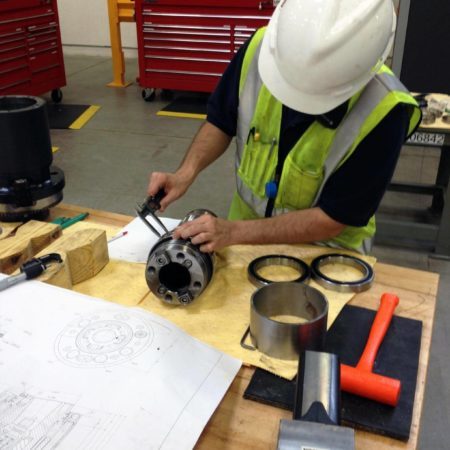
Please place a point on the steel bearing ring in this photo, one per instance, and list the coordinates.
(276, 260)
(359, 285)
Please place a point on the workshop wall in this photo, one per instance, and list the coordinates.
(85, 28)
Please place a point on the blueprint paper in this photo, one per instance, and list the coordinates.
(137, 243)
(81, 373)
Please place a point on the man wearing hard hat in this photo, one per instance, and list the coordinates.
(319, 123)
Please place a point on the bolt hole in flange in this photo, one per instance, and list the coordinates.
(174, 276)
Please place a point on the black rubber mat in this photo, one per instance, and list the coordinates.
(62, 116)
(398, 357)
(186, 106)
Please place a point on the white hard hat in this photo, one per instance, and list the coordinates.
(316, 54)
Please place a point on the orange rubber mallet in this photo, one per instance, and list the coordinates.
(360, 380)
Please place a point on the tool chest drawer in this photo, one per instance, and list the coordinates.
(188, 45)
(8, 5)
(31, 59)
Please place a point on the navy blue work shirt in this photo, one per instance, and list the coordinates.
(353, 193)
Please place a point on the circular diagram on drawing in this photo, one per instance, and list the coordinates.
(103, 339)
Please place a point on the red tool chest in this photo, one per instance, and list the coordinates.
(31, 58)
(187, 44)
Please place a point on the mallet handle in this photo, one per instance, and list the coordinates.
(379, 328)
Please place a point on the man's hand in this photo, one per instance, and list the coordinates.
(208, 144)
(209, 232)
(174, 185)
(296, 227)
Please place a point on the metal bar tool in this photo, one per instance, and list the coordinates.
(31, 269)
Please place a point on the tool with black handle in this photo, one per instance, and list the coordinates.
(31, 269)
(149, 208)
(317, 407)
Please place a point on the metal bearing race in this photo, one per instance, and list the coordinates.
(276, 260)
(361, 285)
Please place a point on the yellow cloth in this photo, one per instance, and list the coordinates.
(220, 316)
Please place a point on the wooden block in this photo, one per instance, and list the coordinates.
(84, 254)
(19, 243)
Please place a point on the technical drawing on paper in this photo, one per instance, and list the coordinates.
(103, 339)
(32, 419)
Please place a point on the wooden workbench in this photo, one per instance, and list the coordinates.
(244, 424)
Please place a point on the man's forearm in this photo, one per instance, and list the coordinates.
(297, 227)
(309, 225)
(209, 143)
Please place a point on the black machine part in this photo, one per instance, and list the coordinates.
(317, 407)
(29, 184)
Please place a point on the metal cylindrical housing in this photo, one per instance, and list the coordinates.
(277, 338)
(25, 146)
(177, 271)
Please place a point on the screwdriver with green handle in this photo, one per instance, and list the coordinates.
(31, 269)
(65, 222)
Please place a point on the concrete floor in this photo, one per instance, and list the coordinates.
(107, 164)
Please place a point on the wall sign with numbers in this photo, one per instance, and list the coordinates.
(431, 139)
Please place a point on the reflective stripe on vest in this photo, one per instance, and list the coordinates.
(349, 130)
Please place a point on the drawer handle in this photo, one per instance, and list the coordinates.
(43, 69)
(17, 47)
(186, 33)
(25, 18)
(226, 61)
(185, 72)
(17, 83)
(193, 41)
(190, 27)
(206, 16)
(13, 69)
(187, 49)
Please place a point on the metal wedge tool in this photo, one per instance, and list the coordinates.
(31, 269)
(316, 423)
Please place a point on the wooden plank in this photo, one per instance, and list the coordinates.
(84, 254)
(23, 242)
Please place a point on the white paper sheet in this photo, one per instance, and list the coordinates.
(81, 373)
(137, 243)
